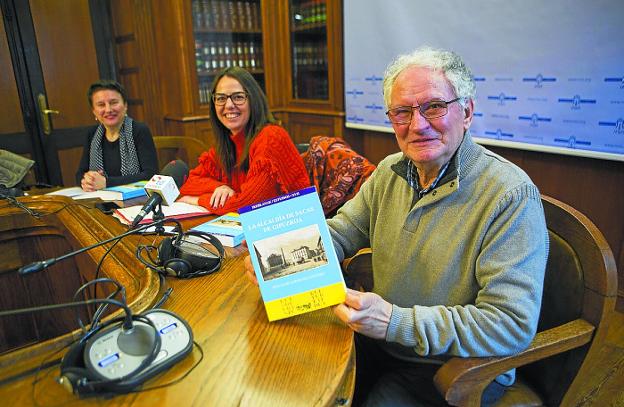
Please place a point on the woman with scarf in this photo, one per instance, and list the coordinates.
(118, 150)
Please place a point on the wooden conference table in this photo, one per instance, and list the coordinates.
(300, 361)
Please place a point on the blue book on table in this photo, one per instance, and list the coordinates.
(227, 228)
(129, 191)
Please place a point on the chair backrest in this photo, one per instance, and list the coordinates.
(580, 282)
(336, 170)
(187, 149)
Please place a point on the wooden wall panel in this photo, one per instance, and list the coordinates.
(175, 57)
(203, 131)
(69, 159)
(135, 46)
(66, 83)
(373, 145)
(11, 118)
(126, 51)
(150, 79)
(302, 127)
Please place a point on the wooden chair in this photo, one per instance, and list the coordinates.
(187, 149)
(579, 297)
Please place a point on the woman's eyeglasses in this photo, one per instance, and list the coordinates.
(238, 98)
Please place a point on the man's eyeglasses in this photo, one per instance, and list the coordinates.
(238, 98)
(429, 110)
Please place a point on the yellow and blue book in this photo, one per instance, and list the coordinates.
(293, 254)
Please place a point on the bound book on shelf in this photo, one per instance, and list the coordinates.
(227, 228)
(293, 254)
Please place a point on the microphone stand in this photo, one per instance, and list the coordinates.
(41, 265)
(159, 217)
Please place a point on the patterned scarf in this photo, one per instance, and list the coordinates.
(129, 159)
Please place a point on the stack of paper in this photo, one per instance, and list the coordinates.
(179, 210)
(119, 193)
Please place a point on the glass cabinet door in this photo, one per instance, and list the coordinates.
(308, 30)
(226, 33)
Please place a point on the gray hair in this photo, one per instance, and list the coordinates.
(447, 62)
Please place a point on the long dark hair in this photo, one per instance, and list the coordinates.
(259, 116)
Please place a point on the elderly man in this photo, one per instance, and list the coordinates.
(458, 237)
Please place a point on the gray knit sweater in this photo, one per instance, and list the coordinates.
(463, 266)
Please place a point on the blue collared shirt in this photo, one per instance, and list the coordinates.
(412, 178)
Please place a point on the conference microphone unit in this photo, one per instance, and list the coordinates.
(163, 188)
(120, 355)
(119, 360)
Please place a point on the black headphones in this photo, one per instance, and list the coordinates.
(183, 258)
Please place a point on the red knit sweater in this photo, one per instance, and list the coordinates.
(275, 168)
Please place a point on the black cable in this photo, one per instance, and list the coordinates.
(160, 386)
(28, 372)
(99, 266)
(164, 298)
(45, 365)
(153, 265)
(141, 390)
(100, 310)
(73, 203)
(14, 202)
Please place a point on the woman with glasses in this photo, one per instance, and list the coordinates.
(118, 150)
(254, 159)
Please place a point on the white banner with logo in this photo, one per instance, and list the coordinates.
(549, 74)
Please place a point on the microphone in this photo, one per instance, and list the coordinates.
(127, 318)
(133, 339)
(163, 187)
(44, 264)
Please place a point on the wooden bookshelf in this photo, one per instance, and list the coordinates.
(169, 51)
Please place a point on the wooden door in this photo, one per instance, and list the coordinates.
(49, 51)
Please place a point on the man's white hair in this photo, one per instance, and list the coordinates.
(447, 62)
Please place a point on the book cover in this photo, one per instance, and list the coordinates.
(293, 255)
(129, 191)
(227, 228)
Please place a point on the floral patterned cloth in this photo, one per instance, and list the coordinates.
(336, 171)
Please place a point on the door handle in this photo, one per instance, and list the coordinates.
(44, 112)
